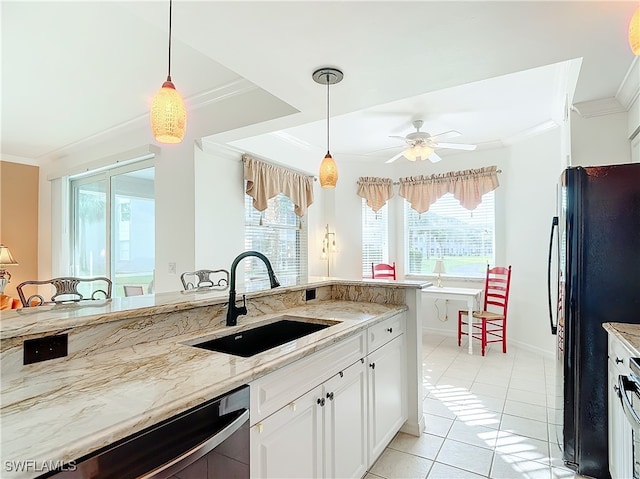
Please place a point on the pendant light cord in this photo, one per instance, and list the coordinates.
(327, 112)
(170, 15)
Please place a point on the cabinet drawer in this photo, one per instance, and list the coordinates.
(619, 355)
(273, 391)
(385, 331)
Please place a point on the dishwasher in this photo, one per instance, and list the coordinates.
(208, 441)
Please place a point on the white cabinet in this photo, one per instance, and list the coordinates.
(320, 434)
(333, 412)
(620, 436)
(387, 395)
(289, 442)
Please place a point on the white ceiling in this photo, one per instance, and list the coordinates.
(73, 72)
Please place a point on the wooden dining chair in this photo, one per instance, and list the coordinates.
(66, 290)
(490, 324)
(383, 270)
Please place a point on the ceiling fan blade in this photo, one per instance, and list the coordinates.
(398, 137)
(434, 158)
(455, 146)
(445, 135)
(394, 158)
(384, 149)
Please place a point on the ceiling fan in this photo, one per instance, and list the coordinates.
(422, 144)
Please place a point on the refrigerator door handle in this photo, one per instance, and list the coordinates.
(554, 226)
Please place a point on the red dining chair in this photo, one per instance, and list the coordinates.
(490, 325)
(383, 270)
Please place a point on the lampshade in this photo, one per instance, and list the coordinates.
(328, 167)
(168, 113)
(634, 32)
(328, 172)
(418, 152)
(5, 257)
(439, 267)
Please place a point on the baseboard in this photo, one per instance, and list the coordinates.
(519, 344)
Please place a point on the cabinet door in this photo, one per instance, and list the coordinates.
(387, 404)
(620, 436)
(289, 442)
(345, 420)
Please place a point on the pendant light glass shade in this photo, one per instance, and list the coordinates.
(328, 167)
(328, 172)
(634, 33)
(168, 113)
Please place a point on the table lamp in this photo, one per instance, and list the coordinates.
(5, 260)
(439, 268)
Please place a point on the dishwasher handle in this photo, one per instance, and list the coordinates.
(177, 464)
(624, 385)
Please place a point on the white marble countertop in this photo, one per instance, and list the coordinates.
(627, 333)
(62, 410)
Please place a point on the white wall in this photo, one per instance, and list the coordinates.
(600, 140)
(531, 181)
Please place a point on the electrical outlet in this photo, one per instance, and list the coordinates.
(43, 349)
(172, 268)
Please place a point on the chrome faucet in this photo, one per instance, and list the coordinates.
(234, 311)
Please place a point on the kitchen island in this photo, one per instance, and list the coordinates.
(130, 362)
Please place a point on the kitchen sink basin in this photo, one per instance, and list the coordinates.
(257, 340)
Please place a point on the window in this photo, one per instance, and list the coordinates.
(113, 226)
(375, 234)
(279, 234)
(463, 238)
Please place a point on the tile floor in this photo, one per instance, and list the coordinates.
(486, 417)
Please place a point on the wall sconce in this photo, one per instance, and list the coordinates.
(634, 33)
(5, 260)
(439, 268)
(328, 246)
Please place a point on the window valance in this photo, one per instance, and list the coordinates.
(264, 181)
(467, 187)
(375, 190)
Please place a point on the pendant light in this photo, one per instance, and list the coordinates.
(634, 32)
(168, 113)
(328, 167)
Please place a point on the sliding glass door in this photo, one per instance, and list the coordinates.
(113, 226)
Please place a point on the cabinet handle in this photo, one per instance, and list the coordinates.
(330, 396)
(341, 374)
(372, 365)
(321, 402)
(618, 360)
(362, 360)
(390, 330)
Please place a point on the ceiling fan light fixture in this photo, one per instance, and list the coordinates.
(634, 33)
(418, 152)
(328, 167)
(168, 113)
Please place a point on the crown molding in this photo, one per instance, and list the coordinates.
(627, 93)
(20, 159)
(630, 86)
(530, 132)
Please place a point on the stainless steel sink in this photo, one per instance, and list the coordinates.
(259, 339)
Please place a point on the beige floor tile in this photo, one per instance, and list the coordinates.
(437, 425)
(394, 464)
(427, 445)
(465, 456)
(514, 467)
(525, 427)
(444, 471)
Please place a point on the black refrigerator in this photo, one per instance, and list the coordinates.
(593, 278)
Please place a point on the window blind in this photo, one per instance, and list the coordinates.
(463, 238)
(281, 236)
(375, 234)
